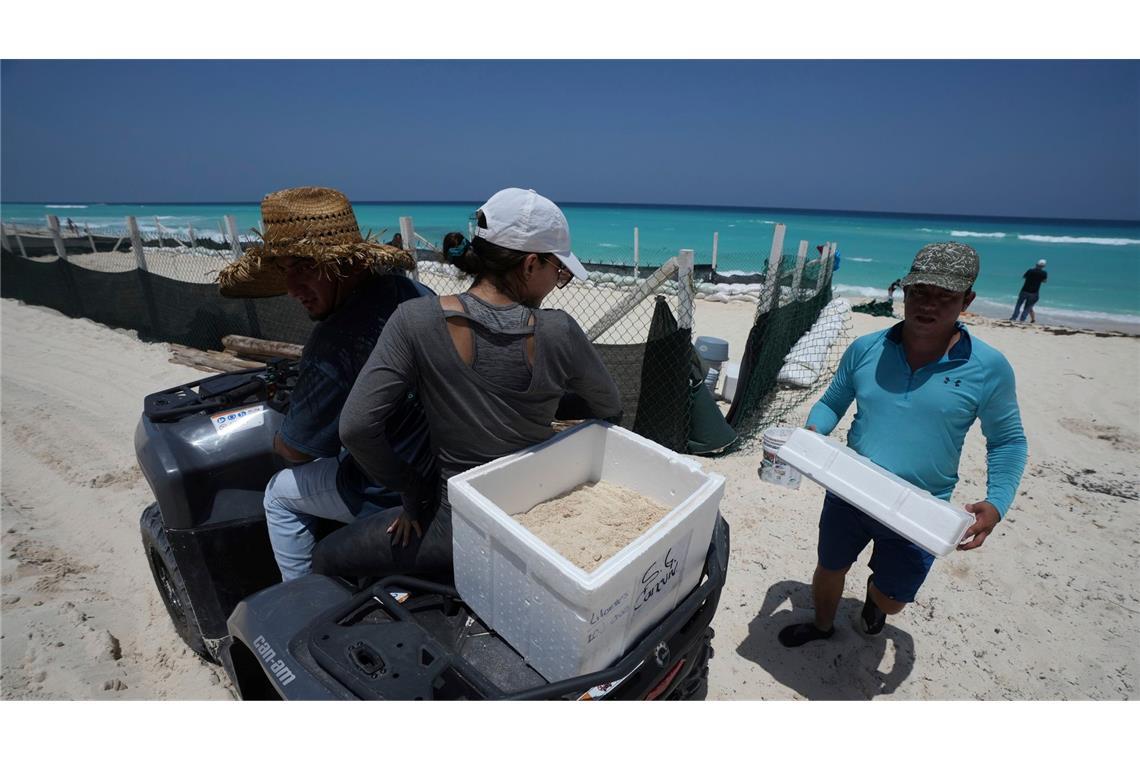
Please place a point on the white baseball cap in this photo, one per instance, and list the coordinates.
(523, 220)
(1041, 262)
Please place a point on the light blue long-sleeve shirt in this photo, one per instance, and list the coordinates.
(913, 423)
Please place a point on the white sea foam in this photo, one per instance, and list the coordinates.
(856, 258)
(1083, 240)
(734, 272)
(970, 233)
(63, 205)
(607, 245)
(859, 291)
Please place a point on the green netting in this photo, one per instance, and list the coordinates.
(790, 354)
(644, 340)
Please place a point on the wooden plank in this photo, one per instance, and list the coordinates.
(215, 361)
(801, 260)
(636, 253)
(639, 294)
(56, 236)
(136, 243)
(258, 347)
(770, 296)
(716, 239)
(686, 289)
(235, 242)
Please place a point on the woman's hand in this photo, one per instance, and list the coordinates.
(401, 529)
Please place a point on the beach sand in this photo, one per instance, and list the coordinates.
(1046, 609)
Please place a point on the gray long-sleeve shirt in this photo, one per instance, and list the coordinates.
(471, 421)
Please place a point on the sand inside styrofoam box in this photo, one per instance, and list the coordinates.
(594, 521)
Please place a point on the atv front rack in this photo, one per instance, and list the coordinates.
(404, 638)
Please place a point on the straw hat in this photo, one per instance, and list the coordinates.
(310, 222)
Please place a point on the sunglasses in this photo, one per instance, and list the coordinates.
(564, 274)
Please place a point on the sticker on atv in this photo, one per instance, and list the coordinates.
(239, 419)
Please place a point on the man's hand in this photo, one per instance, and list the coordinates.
(986, 518)
(401, 529)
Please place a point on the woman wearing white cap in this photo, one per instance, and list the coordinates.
(490, 368)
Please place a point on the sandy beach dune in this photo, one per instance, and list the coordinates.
(1047, 609)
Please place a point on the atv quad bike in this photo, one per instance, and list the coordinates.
(206, 450)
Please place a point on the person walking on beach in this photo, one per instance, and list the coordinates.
(312, 249)
(920, 385)
(491, 368)
(1030, 292)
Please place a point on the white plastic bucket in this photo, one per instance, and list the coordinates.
(773, 469)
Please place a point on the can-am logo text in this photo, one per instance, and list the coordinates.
(276, 666)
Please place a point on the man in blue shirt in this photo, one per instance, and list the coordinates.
(313, 250)
(918, 388)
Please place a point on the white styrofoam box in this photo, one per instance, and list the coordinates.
(562, 619)
(731, 375)
(936, 525)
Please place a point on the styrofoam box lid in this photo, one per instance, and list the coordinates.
(936, 525)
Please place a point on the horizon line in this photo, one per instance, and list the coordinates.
(734, 207)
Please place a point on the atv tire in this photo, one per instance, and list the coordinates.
(171, 587)
(695, 687)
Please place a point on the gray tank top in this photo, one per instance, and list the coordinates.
(499, 341)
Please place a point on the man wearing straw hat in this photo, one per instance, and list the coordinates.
(312, 250)
(918, 387)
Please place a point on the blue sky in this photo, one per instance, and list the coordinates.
(1015, 138)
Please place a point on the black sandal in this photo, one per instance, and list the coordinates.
(801, 633)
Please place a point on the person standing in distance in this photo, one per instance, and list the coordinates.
(1030, 291)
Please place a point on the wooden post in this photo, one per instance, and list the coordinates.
(716, 239)
(685, 289)
(193, 241)
(801, 259)
(771, 294)
(158, 226)
(636, 254)
(235, 243)
(408, 235)
(90, 239)
(56, 237)
(136, 243)
(20, 244)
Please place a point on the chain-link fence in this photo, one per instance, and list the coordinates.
(159, 281)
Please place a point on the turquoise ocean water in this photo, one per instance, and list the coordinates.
(1094, 267)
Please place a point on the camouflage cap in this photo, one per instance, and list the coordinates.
(953, 266)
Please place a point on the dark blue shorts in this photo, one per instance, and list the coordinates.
(899, 565)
